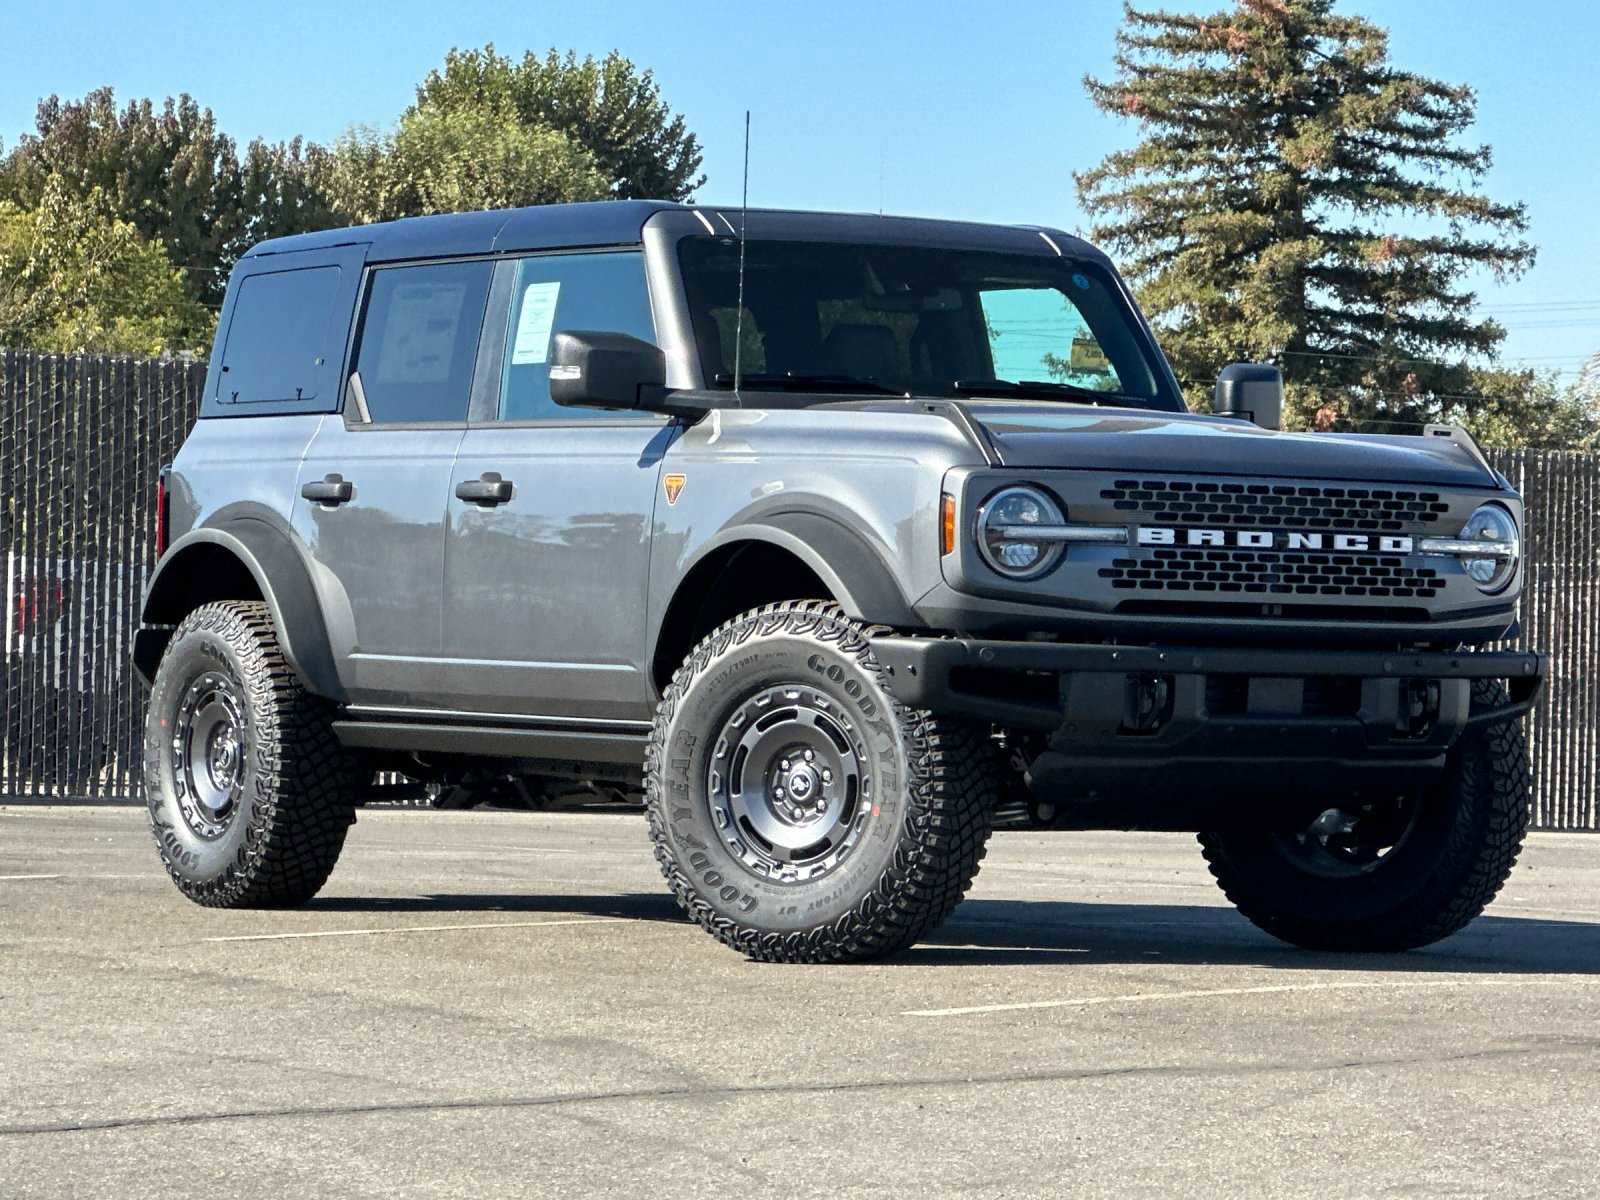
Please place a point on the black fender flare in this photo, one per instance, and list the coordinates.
(281, 575)
(853, 572)
(857, 574)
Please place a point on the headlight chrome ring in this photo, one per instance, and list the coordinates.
(1494, 526)
(1002, 532)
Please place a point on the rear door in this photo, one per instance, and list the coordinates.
(545, 590)
(374, 485)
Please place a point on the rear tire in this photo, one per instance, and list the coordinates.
(1443, 865)
(250, 794)
(799, 812)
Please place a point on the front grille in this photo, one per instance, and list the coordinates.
(1180, 502)
(1271, 572)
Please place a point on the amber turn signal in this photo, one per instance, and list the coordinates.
(947, 523)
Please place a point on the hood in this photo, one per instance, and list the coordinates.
(1048, 434)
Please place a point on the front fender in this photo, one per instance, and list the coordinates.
(857, 573)
(854, 572)
(281, 576)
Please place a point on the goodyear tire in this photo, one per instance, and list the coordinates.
(1428, 868)
(799, 812)
(250, 794)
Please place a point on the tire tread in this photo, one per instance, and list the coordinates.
(1479, 855)
(951, 799)
(301, 807)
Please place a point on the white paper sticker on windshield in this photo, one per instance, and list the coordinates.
(533, 324)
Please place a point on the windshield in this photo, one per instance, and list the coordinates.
(837, 317)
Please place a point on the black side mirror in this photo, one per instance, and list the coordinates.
(1253, 391)
(611, 370)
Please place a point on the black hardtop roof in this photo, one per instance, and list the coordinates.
(622, 222)
(599, 223)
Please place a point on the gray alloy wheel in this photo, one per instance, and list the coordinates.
(799, 812)
(250, 794)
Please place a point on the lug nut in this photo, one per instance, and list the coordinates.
(810, 754)
(778, 792)
(797, 813)
(827, 775)
(784, 765)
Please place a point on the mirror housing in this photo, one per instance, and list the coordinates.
(593, 369)
(1253, 391)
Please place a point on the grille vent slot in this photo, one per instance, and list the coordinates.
(1271, 573)
(1354, 509)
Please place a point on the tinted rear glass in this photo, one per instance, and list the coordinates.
(283, 344)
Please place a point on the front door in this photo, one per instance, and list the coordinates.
(375, 483)
(548, 542)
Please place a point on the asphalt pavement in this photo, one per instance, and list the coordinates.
(487, 1004)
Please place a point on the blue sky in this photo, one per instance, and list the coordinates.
(962, 110)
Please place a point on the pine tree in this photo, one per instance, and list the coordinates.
(1297, 198)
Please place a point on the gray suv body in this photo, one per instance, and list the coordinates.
(829, 534)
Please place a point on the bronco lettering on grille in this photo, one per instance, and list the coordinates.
(1264, 539)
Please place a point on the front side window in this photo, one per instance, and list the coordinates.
(594, 292)
(922, 320)
(419, 337)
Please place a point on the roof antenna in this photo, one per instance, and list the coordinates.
(738, 319)
(882, 154)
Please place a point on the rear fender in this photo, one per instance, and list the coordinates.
(281, 576)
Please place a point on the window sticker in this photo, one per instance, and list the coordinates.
(538, 313)
(419, 335)
(1087, 357)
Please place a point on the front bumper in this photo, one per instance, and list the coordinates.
(1211, 720)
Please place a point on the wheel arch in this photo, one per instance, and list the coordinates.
(741, 568)
(246, 559)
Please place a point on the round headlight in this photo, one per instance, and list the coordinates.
(1003, 525)
(1491, 523)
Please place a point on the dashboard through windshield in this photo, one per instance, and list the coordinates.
(923, 320)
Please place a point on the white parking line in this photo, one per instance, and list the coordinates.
(332, 933)
(11, 878)
(1579, 915)
(1273, 989)
(999, 949)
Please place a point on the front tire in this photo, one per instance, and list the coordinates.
(1403, 874)
(250, 794)
(799, 812)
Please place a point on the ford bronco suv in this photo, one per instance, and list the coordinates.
(826, 535)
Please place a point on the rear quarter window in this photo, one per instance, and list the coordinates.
(284, 342)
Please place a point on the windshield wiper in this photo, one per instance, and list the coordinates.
(1036, 387)
(791, 381)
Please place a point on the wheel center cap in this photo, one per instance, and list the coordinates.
(224, 753)
(802, 782)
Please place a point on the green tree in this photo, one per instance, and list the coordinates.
(490, 132)
(1297, 198)
(169, 172)
(607, 106)
(76, 278)
(1529, 408)
(449, 160)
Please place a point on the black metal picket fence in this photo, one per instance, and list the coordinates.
(83, 438)
(1561, 615)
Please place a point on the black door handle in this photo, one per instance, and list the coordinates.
(332, 490)
(488, 490)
